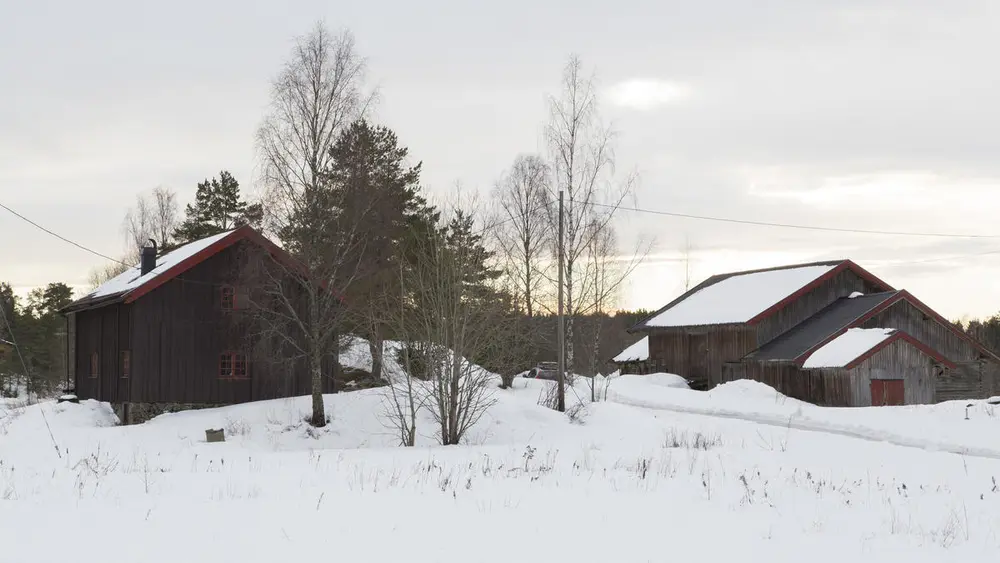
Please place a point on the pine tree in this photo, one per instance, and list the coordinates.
(217, 208)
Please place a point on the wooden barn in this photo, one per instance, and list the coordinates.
(174, 332)
(829, 333)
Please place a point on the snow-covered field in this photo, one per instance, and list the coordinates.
(629, 479)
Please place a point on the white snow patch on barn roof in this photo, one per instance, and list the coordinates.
(738, 298)
(130, 279)
(638, 352)
(847, 347)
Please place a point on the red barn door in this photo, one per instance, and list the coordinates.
(887, 392)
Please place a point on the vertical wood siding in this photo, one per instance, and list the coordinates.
(904, 316)
(820, 387)
(899, 360)
(97, 330)
(71, 349)
(700, 349)
(841, 285)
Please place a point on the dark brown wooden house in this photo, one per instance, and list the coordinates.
(830, 333)
(174, 333)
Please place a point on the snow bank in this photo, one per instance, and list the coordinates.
(940, 427)
(667, 380)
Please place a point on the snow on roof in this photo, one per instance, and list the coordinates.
(847, 347)
(638, 352)
(130, 279)
(738, 298)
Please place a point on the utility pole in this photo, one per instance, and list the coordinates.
(560, 327)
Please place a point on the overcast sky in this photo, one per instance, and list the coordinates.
(859, 114)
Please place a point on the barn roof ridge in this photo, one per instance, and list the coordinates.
(795, 290)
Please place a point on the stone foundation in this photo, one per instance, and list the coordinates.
(137, 413)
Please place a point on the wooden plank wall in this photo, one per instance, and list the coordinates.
(179, 332)
(670, 350)
(819, 387)
(991, 378)
(904, 316)
(841, 285)
(99, 330)
(964, 381)
(899, 360)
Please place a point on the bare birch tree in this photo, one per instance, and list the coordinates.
(154, 216)
(604, 273)
(523, 235)
(686, 252)
(583, 167)
(316, 95)
(461, 327)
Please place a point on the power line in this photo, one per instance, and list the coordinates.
(791, 225)
(60, 237)
(943, 258)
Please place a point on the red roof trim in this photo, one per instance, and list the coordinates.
(900, 296)
(243, 233)
(900, 335)
(845, 265)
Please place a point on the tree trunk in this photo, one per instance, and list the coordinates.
(316, 364)
(570, 313)
(375, 346)
(319, 410)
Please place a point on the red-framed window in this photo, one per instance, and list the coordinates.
(95, 365)
(227, 296)
(240, 370)
(233, 366)
(233, 298)
(126, 364)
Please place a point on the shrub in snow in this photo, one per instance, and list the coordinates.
(691, 440)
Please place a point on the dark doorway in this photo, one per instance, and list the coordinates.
(697, 361)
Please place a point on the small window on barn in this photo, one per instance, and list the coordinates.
(126, 364)
(95, 365)
(239, 366)
(226, 366)
(228, 298)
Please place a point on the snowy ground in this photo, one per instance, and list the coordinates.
(631, 479)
